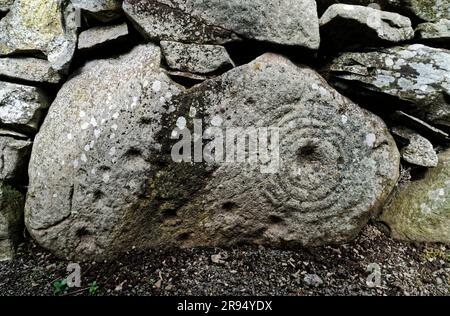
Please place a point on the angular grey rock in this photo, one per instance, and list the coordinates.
(40, 26)
(14, 156)
(5, 5)
(195, 58)
(420, 210)
(11, 220)
(102, 177)
(416, 76)
(419, 151)
(102, 10)
(425, 129)
(21, 107)
(424, 10)
(286, 22)
(102, 36)
(29, 69)
(438, 32)
(427, 10)
(349, 26)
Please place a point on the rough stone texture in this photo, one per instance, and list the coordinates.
(416, 76)
(14, 156)
(102, 10)
(104, 181)
(5, 5)
(438, 32)
(101, 156)
(40, 26)
(196, 58)
(424, 10)
(420, 210)
(350, 26)
(419, 151)
(11, 220)
(101, 36)
(285, 22)
(28, 69)
(428, 10)
(425, 129)
(21, 107)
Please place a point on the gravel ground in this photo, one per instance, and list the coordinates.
(406, 269)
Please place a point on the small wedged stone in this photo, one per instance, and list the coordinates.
(22, 107)
(419, 151)
(195, 58)
(436, 33)
(41, 27)
(102, 10)
(414, 76)
(102, 36)
(11, 220)
(284, 22)
(345, 26)
(188, 75)
(420, 210)
(13, 134)
(422, 127)
(419, 10)
(28, 69)
(14, 156)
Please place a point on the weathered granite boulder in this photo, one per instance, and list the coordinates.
(416, 77)
(435, 33)
(420, 210)
(22, 107)
(345, 26)
(102, 36)
(14, 156)
(29, 69)
(285, 22)
(40, 27)
(105, 173)
(196, 58)
(419, 151)
(11, 220)
(102, 10)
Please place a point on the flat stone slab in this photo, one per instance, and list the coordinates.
(29, 69)
(345, 26)
(414, 76)
(285, 22)
(102, 36)
(195, 58)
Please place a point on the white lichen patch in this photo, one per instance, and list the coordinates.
(371, 140)
(181, 123)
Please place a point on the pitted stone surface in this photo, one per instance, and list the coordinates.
(105, 180)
